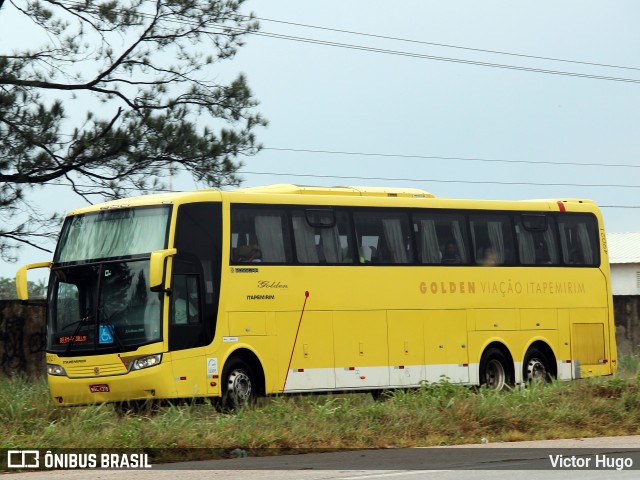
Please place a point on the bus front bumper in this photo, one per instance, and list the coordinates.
(147, 384)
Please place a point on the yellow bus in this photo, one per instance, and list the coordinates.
(237, 294)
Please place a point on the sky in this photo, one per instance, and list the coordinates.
(433, 124)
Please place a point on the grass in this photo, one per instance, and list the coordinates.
(436, 414)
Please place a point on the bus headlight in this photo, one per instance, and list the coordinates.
(56, 370)
(146, 362)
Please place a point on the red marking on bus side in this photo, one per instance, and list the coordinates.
(561, 207)
(352, 368)
(295, 340)
(301, 370)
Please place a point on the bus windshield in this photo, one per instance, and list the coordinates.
(113, 233)
(102, 307)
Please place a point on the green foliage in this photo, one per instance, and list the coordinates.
(435, 414)
(8, 289)
(629, 365)
(140, 74)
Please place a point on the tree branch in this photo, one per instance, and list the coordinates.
(150, 59)
(25, 241)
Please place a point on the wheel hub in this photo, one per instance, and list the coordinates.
(495, 375)
(239, 386)
(536, 372)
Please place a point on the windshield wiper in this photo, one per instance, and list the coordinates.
(82, 321)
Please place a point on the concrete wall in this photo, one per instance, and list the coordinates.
(22, 338)
(625, 285)
(626, 310)
(625, 279)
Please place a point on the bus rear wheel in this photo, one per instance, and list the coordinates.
(495, 373)
(535, 368)
(239, 387)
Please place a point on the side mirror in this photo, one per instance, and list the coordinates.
(22, 288)
(156, 267)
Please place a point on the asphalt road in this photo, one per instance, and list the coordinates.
(496, 461)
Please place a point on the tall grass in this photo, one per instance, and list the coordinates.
(629, 365)
(436, 414)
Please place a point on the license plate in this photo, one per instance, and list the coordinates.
(100, 388)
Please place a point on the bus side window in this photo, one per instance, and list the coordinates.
(321, 240)
(537, 243)
(440, 238)
(259, 235)
(579, 239)
(492, 239)
(382, 237)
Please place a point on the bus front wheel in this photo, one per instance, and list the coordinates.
(239, 387)
(494, 370)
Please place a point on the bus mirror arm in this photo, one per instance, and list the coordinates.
(157, 268)
(22, 287)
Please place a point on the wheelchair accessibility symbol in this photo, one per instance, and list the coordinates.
(105, 334)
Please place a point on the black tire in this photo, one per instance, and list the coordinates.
(239, 385)
(536, 367)
(495, 370)
(381, 394)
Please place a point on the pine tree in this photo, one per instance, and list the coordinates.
(120, 93)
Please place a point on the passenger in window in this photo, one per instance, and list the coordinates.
(320, 251)
(366, 254)
(407, 245)
(382, 254)
(542, 253)
(183, 312)
(249, 254)
(575, 258)
(489, 257)
(451, 255)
